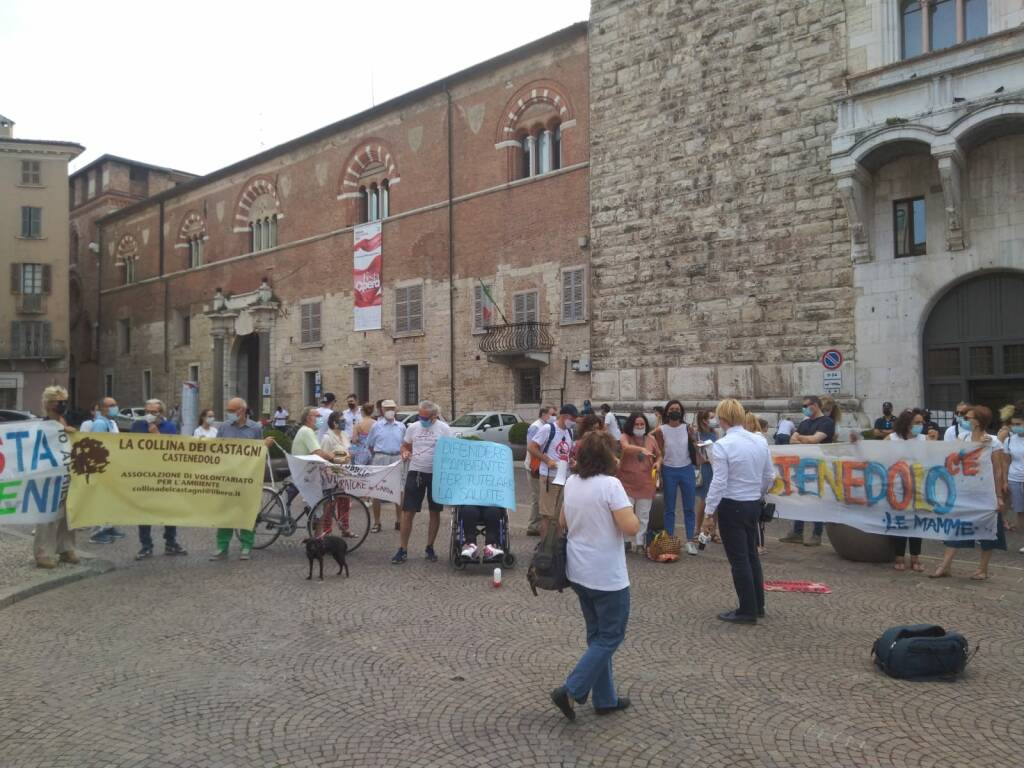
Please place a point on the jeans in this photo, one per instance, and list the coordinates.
(606, 615)
(737, 525)
(798, 528)
(146, 535)
(224, 538)
(682, 478)
(782, 439)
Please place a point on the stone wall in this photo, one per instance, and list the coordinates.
(720, 253)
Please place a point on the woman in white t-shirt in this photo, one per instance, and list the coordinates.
(597, 514)
(206, 428)
(977, 418)
(1013, 443)
(910, 425)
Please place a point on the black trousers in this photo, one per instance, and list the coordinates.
(899, 546)
(473, 516)
(737, 525)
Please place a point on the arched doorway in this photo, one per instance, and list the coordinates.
(974, 343)
(247, 368)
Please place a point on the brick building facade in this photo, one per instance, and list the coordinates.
(478, 179)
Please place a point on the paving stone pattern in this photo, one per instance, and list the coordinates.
(180, 662)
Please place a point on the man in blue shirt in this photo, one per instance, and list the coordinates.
(385, 444)
(103, 421)
(156, 423)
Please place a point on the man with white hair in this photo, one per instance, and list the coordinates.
(239, 426)
(418, 448)
(156, 423)
(105, 421)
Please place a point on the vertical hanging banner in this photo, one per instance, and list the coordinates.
(367, 293)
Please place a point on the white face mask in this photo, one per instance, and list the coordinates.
(389, 415)
(713, 423)
(151, 418)
(209, 419)
(638, 431)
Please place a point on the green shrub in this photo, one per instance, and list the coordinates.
(868, 434)
(517, 435)
(283, 441)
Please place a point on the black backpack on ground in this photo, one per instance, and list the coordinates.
(920, 651)
(547, 568)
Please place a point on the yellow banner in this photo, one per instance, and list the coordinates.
(153, 479)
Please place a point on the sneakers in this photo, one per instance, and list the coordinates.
(144, 553)
(70, 557)
(792, 538)
(469, 551)
(174, 549)
(621, 704)
(691, 548)
(246, 554)
(101, 537)
(219, 555)
(815, 541)
(400, 557)
(430, 555)
(492, 552)
(117, 533)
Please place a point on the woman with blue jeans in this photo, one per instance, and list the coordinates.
(596, 513)
(677, 471)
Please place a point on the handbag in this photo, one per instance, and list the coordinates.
(548, 567)
(664, 548)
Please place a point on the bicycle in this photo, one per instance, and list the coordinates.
(275, 516)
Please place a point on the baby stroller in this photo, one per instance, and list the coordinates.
(460, 536)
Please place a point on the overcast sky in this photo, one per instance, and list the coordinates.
(198, 85)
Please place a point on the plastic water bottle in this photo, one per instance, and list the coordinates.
(497, 578)
(702, 540)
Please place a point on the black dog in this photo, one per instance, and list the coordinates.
(327, 545)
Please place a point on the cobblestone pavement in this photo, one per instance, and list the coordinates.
(179, 662)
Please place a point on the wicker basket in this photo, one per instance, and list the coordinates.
(664, 548)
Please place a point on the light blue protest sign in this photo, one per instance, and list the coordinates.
(473, 472)
(33, 455)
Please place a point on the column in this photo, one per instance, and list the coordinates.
(926, 26)
(218, 373)
(263, 316)
(531, 147)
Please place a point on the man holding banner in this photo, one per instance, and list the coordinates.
(155, 423)
(53, 539)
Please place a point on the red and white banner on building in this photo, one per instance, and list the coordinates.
(367, 291)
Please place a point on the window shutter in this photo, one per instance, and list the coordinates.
(44, 340)
(519, 307)
(401, 310)
(16, 336)
(478, 308)
(46, 278)
(16, 278)
(567, 305)
(416, 308)
(578, 295)
(531, 307)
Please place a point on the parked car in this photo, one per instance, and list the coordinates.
(490, 426)
(407, 417)
(127, 415)
(7, 414)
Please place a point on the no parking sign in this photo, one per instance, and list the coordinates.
(832, 359)
(832, 378)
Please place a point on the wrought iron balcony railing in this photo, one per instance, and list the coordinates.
(516, 339)
(24, 349)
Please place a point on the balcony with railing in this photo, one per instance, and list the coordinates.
(31, 304)
(513, 343)
(31, 349)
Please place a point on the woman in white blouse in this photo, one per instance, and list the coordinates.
(597, 514)
(206, 428)
(909, 425)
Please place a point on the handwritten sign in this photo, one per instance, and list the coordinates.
(33, 459)
(926, 489)
(313, 475)
(473, 472)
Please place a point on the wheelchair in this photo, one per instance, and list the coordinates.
(458, 539)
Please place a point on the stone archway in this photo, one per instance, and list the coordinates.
(973, 343)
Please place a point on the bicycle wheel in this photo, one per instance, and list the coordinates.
(269, 520)
(358, 518)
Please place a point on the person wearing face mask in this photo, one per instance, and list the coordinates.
(707, 432)
(53, 542)
(104, 421)
(784, 431)
(1013, 445)
(385, 445)
(678, 444)
(909, 425)
(548, 415)
(955, 431)
(360, 434)
(550, 445)
(237, 426)
(885, 425)
(977, 420)
(418, 449)
(638, 469)
(815, 428)
(206, 428)
(352, 414)
(156, 423)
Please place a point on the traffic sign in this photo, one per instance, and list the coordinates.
(832, 382)
(832, 359)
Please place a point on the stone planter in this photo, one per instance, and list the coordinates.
(858, 546)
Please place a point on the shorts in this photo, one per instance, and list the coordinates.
(417, 485)
(550, 499)
(387, 459)
(1017, 496)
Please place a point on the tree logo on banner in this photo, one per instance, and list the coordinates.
(89, 457)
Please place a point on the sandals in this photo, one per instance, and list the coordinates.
(375, 528)
(940, 575)
(900, 565)
(979, 576)
(915, 565)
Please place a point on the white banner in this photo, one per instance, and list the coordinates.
(923, 488)
(33, 468)
(313, 475)
(367, 289)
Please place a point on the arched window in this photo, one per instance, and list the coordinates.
(385, 202)
(541, 151)
(260, 209)
(364, 205)
(544, 146)
(195, 251)
(368, 181)
(191, 236)
(126, 256)
(526, 155)
(931, 25)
